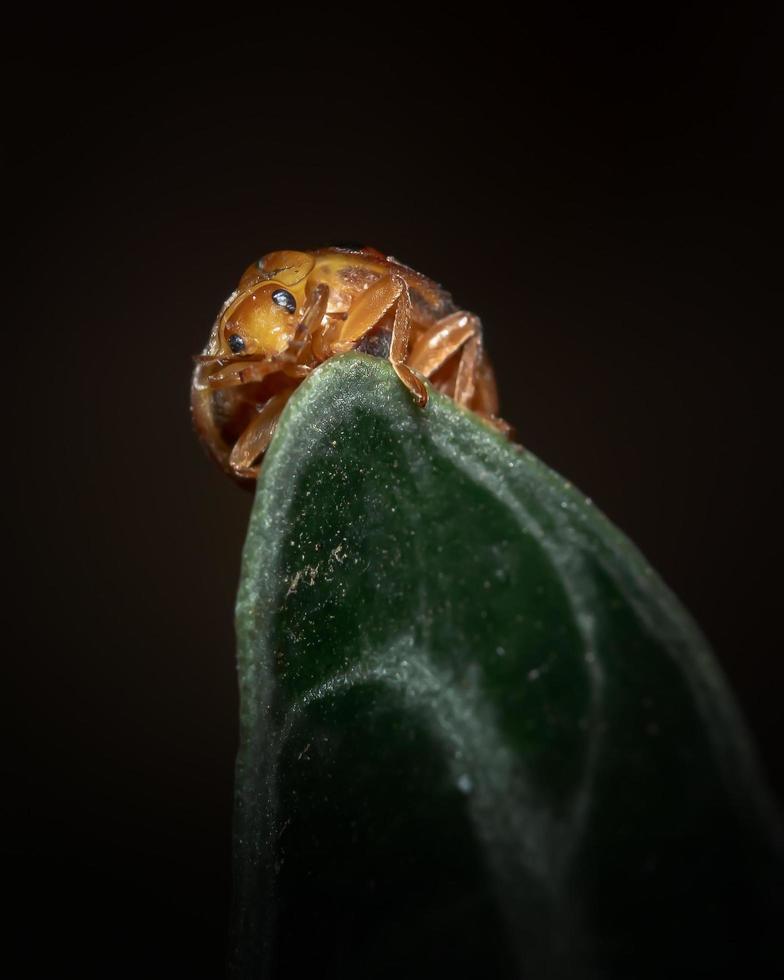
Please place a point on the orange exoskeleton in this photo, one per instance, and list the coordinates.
(293, 310)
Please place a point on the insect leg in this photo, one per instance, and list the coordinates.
(315, 308)
(465, 383)
(443, 339)
(398, 348)
(366, 312)
(486, 400)
(475, 382)
(311, 334)
(246, 371)
(256, 438)
(475, 385)
(204, 419)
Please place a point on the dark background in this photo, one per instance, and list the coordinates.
(602, 191)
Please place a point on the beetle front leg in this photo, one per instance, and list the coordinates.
(312, 336)
(253, 442)
(367, 311)
(246, 371)
(398, 348)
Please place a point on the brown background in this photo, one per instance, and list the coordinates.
(601, 191)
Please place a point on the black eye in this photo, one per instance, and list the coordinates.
(284, 298)
(236, 343)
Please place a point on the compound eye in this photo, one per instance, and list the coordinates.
(284, 299)
(236, 343)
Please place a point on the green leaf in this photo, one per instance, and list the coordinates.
(479, 736)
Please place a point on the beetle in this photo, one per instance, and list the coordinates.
(293, 310)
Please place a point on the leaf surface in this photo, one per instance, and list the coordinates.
(479, 736)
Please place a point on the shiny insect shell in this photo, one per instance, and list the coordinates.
(293, 310)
